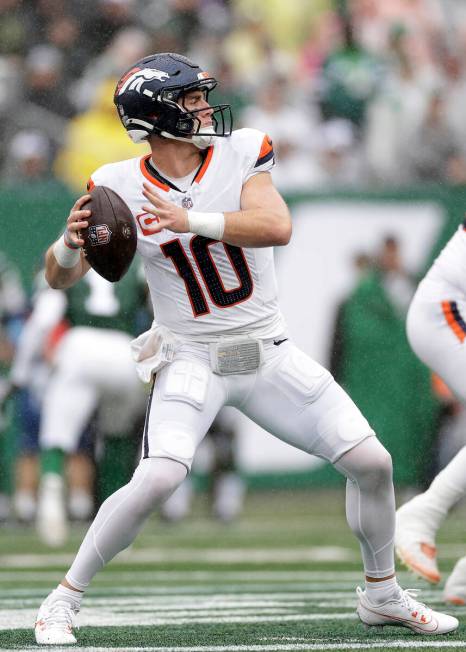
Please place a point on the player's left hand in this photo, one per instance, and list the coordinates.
(169, 215)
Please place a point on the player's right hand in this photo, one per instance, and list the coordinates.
(77, 221)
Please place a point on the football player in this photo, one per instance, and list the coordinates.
(208, 218)
(99, 318)
(436, 328)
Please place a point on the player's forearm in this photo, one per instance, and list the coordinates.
(59, 277)
(257, 227)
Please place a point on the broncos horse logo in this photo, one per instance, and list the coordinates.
(136, 77)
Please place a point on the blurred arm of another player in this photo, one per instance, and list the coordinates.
(48, 310)
(263, 221)
(64, 261)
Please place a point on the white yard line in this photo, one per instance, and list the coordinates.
(386, 644)
(22, 618)
(199, 575)
(195, 555)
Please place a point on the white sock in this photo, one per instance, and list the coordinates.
(380, 592)
(69, 595)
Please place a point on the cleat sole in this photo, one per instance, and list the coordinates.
(418, 571)
(459, 602)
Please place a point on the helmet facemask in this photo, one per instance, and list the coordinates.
(186, 124)
(172, 120)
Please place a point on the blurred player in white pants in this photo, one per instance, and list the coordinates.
(220, 336)
(436, 328)
(92, 375)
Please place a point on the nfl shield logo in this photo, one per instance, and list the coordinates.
(99, 234)
(187, 202)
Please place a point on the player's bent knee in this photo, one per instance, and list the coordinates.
(369, 464)
(375, 464)
(154, 481)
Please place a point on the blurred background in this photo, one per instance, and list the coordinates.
(364, 101)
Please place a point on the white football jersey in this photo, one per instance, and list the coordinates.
(202, 289)
(450, 266)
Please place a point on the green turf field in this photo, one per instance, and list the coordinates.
(282, 578)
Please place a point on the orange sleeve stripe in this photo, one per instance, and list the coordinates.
(451, 321)
(266, 147)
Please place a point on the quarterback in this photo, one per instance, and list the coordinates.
(208, 218)
(437, 331)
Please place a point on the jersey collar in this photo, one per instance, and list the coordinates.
(158, 180)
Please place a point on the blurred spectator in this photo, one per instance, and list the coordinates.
(397, 283)
(454, 90)
(293, 131)
(13, 28)
(12, 309)
(44, 80)
(362, 264)
(252, 54)
(371, 332)
(287, 23)
(396, 112)
(63, 32)
(433, 152)
(340, 156)
(422, 20)
(29, 158)
(324, 37)
(93, 139)
(128, 45)
(349, 79)
(102, 20)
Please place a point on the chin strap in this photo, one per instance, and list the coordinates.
(201, 140)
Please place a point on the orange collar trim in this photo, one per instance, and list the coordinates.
(144, 170)
(205, 165)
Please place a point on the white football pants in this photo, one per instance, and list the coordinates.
(93, 373)
(292, 397)
(437, 333)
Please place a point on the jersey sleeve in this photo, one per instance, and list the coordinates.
(262, 158)
(256, 151)
(97, 178)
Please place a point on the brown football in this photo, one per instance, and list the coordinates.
(110, 239)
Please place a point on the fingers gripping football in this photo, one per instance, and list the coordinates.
(77, 220)
(169, 215)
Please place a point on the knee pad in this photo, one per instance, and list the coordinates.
(369, 463)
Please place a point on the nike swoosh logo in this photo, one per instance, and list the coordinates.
(278, 342)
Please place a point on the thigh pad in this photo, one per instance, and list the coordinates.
(301, 378)
(187, 381)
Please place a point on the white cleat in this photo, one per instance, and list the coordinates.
(54, 624)
(51, 518)
(415, 542)
(404, 611)
(455, 586)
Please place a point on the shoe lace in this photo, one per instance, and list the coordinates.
(61, 614)
(417, 609)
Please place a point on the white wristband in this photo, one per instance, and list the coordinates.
(210, 225)
(65, 255)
